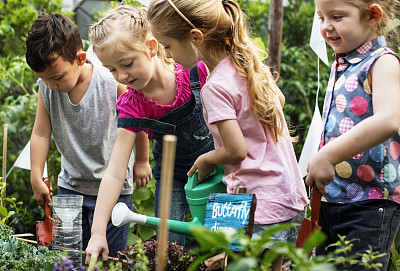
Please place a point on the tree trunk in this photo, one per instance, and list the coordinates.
(275, 25)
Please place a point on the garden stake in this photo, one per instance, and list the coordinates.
(167, 176)
(44, 232)
(308, 226)
(4, 183)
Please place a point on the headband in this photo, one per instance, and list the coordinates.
(181, 14)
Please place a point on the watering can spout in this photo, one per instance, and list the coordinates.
(121, 215)
(197, 194)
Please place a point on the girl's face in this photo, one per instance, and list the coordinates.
(342, 26)
(182, 52)
(128, 66)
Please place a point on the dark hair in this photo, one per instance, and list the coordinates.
(51, 35)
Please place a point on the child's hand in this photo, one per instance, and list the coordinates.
(320, 171)
(203, 166)
(41, 193)
(97, 245)
(141, 173)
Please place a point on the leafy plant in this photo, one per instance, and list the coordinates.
(143, 255)
(394, 260)
(143, 203)
(5, 232)
(19, 113)
(14, 212)
(18, 255)
(254, 255)
(16, 17)
(64, 264)
(341, 255)
(18, 97)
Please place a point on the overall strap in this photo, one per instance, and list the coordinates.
(195, 86)
(146, 123)
(194, 79)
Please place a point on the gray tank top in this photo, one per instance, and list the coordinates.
(85, 133)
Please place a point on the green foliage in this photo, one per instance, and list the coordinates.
(257, 11)
(143, 203)
(11, 210)
(299, 83)
(16, 78)
(18, 97)
(394, 260)
(254, 255)
(342, 255)
(19, 114)
(136, 256)
(113, 4)
(143, 256)
(18, 255)
(16, 18)
(298, 18)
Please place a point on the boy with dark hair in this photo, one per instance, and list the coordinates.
(76, 103)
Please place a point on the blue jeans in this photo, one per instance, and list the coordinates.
(373, 223)
(117, 238)
(289, 235)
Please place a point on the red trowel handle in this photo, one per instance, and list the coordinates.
(315, 204)
(47, 210)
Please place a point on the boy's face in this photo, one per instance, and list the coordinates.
(342, 26)
(61, 76)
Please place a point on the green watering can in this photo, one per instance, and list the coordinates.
(197, 196)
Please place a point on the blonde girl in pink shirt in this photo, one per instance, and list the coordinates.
(162, 98)
(242, 107)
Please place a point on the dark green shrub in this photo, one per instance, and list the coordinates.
(18, 255)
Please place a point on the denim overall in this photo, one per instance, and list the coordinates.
(194, 138)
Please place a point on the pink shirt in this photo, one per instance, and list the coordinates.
(270, 170)
(134, 103)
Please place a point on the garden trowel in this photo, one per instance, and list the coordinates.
(44, 228)
(308, 226)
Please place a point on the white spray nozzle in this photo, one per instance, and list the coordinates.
(121, 215)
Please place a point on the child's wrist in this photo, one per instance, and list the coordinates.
(98, 230)
(142, 161)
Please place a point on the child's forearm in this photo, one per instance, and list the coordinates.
(109, 192)
(365, 135)
(222, 156)
(113, 180)
(232, 151)
(234, 147)
(362, 137)
(40, 142)
(39, 149)
(142, 147)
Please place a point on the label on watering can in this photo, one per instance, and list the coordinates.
(230, 211)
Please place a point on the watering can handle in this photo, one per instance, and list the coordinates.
(195, 181)
(315, 204)
(47, 210)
